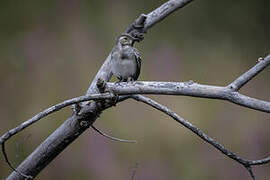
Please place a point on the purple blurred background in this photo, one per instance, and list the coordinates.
(51, 50)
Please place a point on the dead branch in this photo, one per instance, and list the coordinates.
(246, 163)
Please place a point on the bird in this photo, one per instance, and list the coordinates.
(126, 59)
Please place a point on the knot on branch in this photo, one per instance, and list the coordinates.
(136, 29)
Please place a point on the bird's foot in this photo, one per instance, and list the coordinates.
(119, 81)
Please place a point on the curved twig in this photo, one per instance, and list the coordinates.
(246, 163)
(111, 137)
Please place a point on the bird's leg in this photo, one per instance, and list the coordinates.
(120, 79)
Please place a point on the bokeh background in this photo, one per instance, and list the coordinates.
(51, 50)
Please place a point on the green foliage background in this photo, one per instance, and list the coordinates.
(51, 50)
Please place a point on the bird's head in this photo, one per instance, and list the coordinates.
(125, 40)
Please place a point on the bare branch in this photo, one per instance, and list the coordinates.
(188, 89)
(246, 163)
(247, 76)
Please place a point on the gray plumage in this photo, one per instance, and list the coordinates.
(126, 60)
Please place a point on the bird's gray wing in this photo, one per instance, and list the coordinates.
(138, 62)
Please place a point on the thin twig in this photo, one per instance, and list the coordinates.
(247, 76)
(246, 163)
(112, 138)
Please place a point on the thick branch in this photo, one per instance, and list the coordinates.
(71, 128)
(188, 89)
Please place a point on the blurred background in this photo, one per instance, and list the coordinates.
(51, 50)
